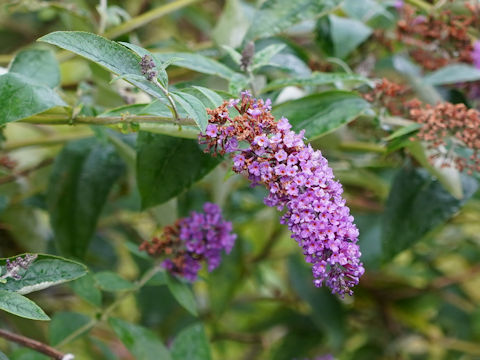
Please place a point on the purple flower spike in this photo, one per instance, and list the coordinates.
(199, 237)
(300, 181)
(476, 54)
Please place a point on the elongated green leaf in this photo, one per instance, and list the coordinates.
(110, 281)
(19, 305)
(64, 324)
(347, 34)
(453, 74)
(166, 166)
(232, 25)
(45, 271)
(21, 97)
(141, 342)
(37, 65)
(86, 289)
(182, 292)
(264, 56)
(214, 99)
(193, 107)
(316, 79)
(276, 16)
(322, 113)
(192, 344)
(365, 10)
(327, 312)
(197, 62)
(81, 179)
(108, 54)
(417, 203)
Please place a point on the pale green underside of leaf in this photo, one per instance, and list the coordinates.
(453, 74)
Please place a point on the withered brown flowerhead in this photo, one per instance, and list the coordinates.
(436, 40)
(447, 128)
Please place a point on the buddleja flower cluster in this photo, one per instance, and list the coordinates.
(192, 240)
(299, 180)
(15, 268)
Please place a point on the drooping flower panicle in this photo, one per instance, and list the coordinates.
(192, 240)
(299, 180)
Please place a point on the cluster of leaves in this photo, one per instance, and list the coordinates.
(95, 159)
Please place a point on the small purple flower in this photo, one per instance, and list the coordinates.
(476, 54)
(398, 4)
(199, 237)
(212, 130)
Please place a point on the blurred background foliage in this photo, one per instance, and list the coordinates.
(419, 223)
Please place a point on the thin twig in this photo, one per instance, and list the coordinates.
(147, 17)
(104, 120)
(106, 312)
(169, 98)
(14, 176)
(35, 345)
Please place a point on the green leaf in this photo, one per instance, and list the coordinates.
(234, 54)
(193, 107)
(453, 74)
(19, 305)
(214, 99)
(327, 311)
(197, 62)
(82, 176)
(166, 166)
(182, 292)
(3, 356)
(17, 90)
(347, 34)
(365, 10)
(37, 65)
(237, 83)
(192, 344)
(27, 354)
(276, 16)
(64, 324)
(232, 25)
(45, 271)
(417, 204)
(110, 281)
(106, 53)
(264, 56)
(85, 288)
(316, 79)
(141, 342)
(322, 113)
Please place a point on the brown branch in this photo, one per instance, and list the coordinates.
(35, 345)
(14, 176)
(267, 248)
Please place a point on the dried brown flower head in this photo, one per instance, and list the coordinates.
(448, 128)
(436, 40)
